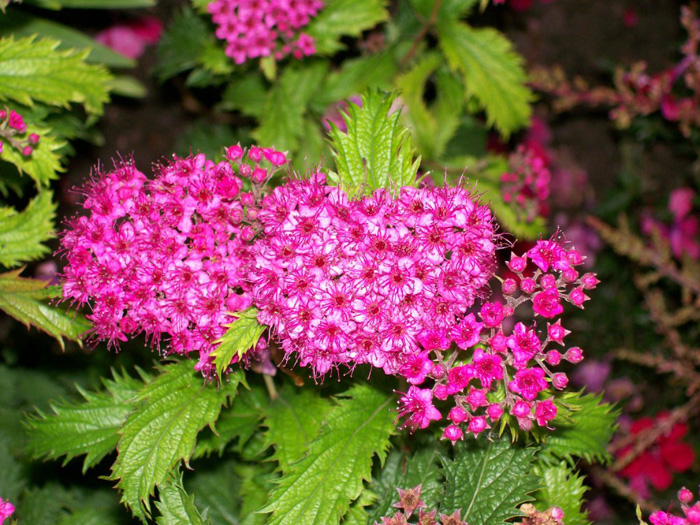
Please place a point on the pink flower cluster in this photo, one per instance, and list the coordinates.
(527, 183)
(12, 125)
(683, 233)
(690, 510)
(389, 281)
(167, 256)
(378, 280)
(487, 359)
(6, 510)
(131, 38)
(260, 28)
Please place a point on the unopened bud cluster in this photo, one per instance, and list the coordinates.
(13, 129)
(689, 506)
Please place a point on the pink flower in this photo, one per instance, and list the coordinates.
(6, 510)
(418, 409)
(453, 433)
(528, 383)
(468, 332)
(546, 303)
(545, 411)
(130, 39)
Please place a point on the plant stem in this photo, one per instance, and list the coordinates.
(427, 26)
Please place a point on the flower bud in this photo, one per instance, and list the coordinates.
(274, 157)
(528, 285)
(441, 392)
(517, 264)
(234, 152)
(438, 371)
(577, 297)
(569, 275)
(559, 381)
(477, 425)
(494, 411)
(553, 357)
(33, 139)
(574, 257)
(247, 199)
(589, 281)
(453, 433)
(509, 286)
(27, 150)
(574, 355)
(259, 175)
(255, 154)
(457, 415)
(548, 281)
(685, 496)
(557, 514)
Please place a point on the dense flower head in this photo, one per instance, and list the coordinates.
(6, 510)
(13, 130)
(379, 280)
(526, 185)
(399, 282)
(166, 256)
(260, 28)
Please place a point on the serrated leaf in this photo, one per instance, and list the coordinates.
(293, 420)
(22, 234)
(12, 480)
(340, 18)
(176, 507)
(217, 492)
(583, 428)
(241, 335)
(488, 480)
(357, 515)
(181, 45)
(23, 299)
(282, 122)
(53, 504)
(432, 127)
(44, 164)
(35, 71)
(563, 488)
(247, 94)
(493, 73)
(319, 488)
(355, 76)
(403, 472)
(312, 149)
(20, 24)
(256, 484)
(239, 421)
(92, 4)
(163, 430)
(86, 427)
(376, 151)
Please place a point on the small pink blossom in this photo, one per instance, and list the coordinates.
(130, 39)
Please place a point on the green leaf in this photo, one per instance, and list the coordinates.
(210, 139)
(87, 427)
(53, 504)
(448, 9)
(12, 480)
(357, 515)
(176, 506)
(247, 94)
(583, 428)
(282, 122)
(493, 73)
(217, 492)
(163, 430)
(35, 71)
(241, 336)
(256, 484)
(293, 420)
(488, 480)
(376, 151)
(23, 299)
(20, 24)
(182, 44)
(432, 127)
(239, 421)
(563, 488)
(92, 4)
(127, 86)
(44, 163)
(319, 488)
(403, 472)
(312, 149)
(356, 76)
(22, 234)
(340, 18)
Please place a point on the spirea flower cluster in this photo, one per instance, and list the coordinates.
(260, 28)
(167, 256)
(691, 512)
(526, 185)
(14, 130)
(377, 280)
(398, 282)
(492, 372)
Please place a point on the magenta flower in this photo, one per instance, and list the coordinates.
(418, 409)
